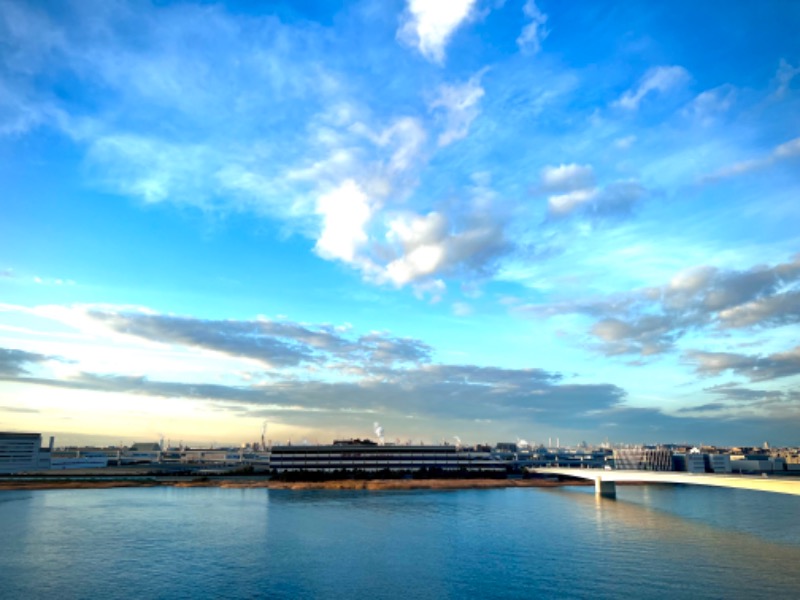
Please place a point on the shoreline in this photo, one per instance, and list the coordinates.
(343, 484)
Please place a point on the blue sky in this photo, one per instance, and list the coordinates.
(485, 219)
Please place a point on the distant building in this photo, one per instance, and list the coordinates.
(643, 459)
(696, 462)
(362, 455)
(21, 452)
(754, 464)
(720, 463)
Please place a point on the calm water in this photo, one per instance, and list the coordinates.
(652, 542)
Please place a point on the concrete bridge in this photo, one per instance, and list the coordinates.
(605, 481)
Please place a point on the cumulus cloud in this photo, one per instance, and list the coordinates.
(656, 79)
(459, 103)
(651, 320)
(345, 211)
(428, 25)
(421, 239)
(432, 244)
(534, 33)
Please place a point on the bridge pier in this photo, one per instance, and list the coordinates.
(605, 489)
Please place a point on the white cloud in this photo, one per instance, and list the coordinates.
(565, 178)
(429, 24)
(428, 245)
(571, 186)
(421, 239)
(657, 79)
(460, 105)
(345, 212)
(534, 33)
(563, 204)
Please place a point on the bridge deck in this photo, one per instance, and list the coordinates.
(780, 485)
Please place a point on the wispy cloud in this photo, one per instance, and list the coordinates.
(782, 152)
(784, 76)
(573, 190)
(276, 344)
(459, 104)
(534, 33)
(657, 79)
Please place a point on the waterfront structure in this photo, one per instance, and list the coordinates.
(364, 455)
(23, 452)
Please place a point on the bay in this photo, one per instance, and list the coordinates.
(652, 542)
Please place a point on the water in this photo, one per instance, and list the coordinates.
(652, 542)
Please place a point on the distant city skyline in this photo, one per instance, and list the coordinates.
(491, 220)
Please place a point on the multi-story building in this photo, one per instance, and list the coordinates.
(643, 459)
(23, 452)
(364, 455)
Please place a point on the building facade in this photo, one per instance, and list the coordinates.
(643, 459)
(22, 452)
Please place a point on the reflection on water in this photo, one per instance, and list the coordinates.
(652, 542)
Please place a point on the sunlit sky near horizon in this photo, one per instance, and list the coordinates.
(485, 219)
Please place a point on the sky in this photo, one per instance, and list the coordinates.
(573, 221)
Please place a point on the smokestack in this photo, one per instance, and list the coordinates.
(52, 442)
